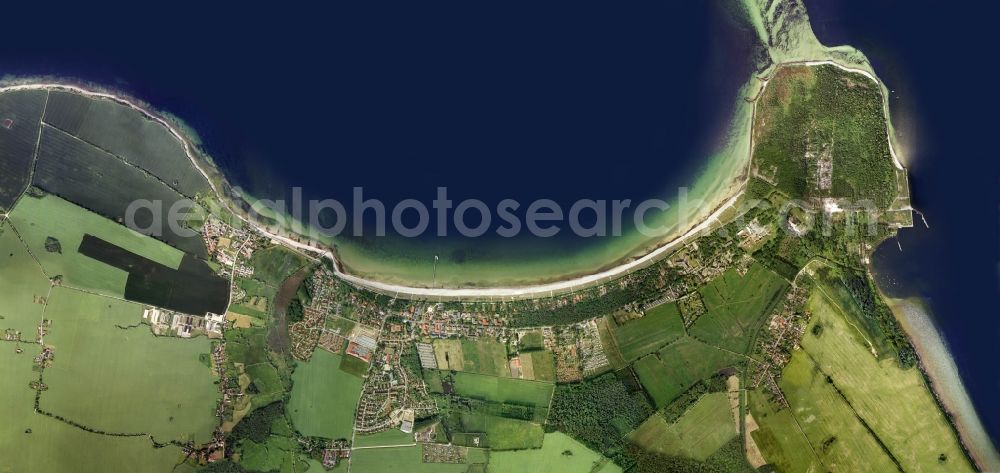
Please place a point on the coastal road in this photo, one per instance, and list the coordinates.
(539, 290)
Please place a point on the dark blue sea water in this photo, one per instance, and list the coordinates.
(944, 102)
(535, 100)
(527, 101)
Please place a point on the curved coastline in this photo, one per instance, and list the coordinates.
(220, 188)
(936, 361)
(791, 42)
(939, 368)
(235, 204)
(724, 201)
(720, 179)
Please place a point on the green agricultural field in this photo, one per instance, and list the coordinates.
(399, 459)
(485, 356)
(604, 331)
(323, 397)
(512, 434)
(552, 457)
(449, 354)
(38, 219)
(835, 433)
(384, 438)
(737, 306)
(256, 317)
(125, 379)
(482, 356)
(531, 340)
(703, 429)
(812, 115)
(896, 403)
(56, 447)
(543, 365)
(339, 324)
(779, 438)
(96, 180)
(434, 381)
(317, 467)
(678, 366)
(354, 366)
(492, 388)
(660, 326)
(24, 286)
(275, 264)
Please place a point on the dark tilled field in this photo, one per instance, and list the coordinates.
(192, 288)
(20, 116)
(100, 182)
(128, 134)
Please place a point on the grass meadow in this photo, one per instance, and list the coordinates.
(660, 326)
(538, 366)
(125, 380)
(851, 410)
(258, 300)
(895, 403)
(37, 219)
(323, 397)
(277, 453)
(676, 367)
(483, 356)
(40, 444)
(275, 264)
(512, 434)
(778, 436)
(736, 305)
(492, 388)
(835, 433)
(531, 340)
(704, 428)
(24, 286)
(266, 379)
(552, 458)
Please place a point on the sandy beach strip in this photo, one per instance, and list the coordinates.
(939, 366)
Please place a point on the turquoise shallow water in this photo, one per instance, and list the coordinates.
(946, 128)
(550, 101)
(554, 102)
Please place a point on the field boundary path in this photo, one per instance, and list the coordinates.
(539, 290)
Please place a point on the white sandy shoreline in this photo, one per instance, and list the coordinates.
(724, 203)
(939, 365)
(933, 353)
(522, 291)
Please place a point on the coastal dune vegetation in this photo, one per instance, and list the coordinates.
(847, 407)
(747, 349)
